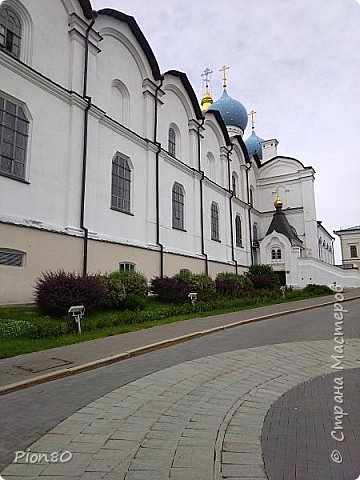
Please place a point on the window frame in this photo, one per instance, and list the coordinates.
(238, 231)
(9, 251)
(6, 31)
(178, 206)
(276, 254)
(172, 141)
(215, 221)
(127, 266)
(353, 248)
(20, 115)
(123, 184)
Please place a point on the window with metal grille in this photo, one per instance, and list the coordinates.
(353, 251)
(121, 184)
(14, 128)
(10, 31)
(178, 202)
(215, 233)
(238, 231)
(276, 254)
(127, 267)
(12, 258)
(172, 142)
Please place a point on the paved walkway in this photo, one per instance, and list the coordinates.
(200, 420)
(63, 359)
(306, 413)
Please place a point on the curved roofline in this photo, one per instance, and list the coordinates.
(221, 123)
(189, 90)
(140, 37)
(283, 156)
(86, 8)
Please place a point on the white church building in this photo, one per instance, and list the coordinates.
(106, 163)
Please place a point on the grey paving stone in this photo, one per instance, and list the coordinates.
(252, 471)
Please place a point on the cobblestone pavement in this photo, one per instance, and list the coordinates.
(201, 419)
(306, 413)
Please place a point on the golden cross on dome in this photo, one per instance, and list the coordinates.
(206, 75)
(251, 114)
(223, 69)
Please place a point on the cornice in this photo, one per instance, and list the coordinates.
(37, 78)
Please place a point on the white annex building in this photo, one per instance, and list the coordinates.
(107, 163)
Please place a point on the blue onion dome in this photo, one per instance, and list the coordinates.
(232, 111)
(253, 144)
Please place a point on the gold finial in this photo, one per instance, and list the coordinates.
(278, 202)
(251, 114)
(223, 69)
(206, 100)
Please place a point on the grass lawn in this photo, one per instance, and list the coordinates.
(96, 322)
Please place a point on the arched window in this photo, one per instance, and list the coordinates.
(10, 31)
(172, 142)
(121, 184)
(14, 127)
(215, 233)
(120, 102)
(178, 202)
(276, 254)
(252, 196)
(255, 232)
(234, 184)
(238, 231)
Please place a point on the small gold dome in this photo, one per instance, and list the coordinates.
(278, 202)
(206, 100)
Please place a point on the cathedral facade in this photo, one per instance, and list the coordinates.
(106, 163)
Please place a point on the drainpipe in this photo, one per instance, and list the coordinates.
(157, 181)
(203, 253)
(249, 212)
(85, 141)
(228, 153)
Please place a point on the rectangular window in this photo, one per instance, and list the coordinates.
(353, 251)
(215, 233)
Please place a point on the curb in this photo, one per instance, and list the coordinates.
(102, 362)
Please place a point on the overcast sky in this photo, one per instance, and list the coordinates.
(297, 63)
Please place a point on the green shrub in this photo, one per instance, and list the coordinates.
(55, 292)
(134, 302)
(314, 289)
(263, 269)
(134, 282)
(15, 328)
(114, 291)
(203, 285)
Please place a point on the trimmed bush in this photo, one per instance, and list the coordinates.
(314, 289)
(55, 292)
(172, 289)
(231, 285)
(134, 303)
(227, 287)
(134, 282)
(262, 281)
(263, 269)
(114, 291)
